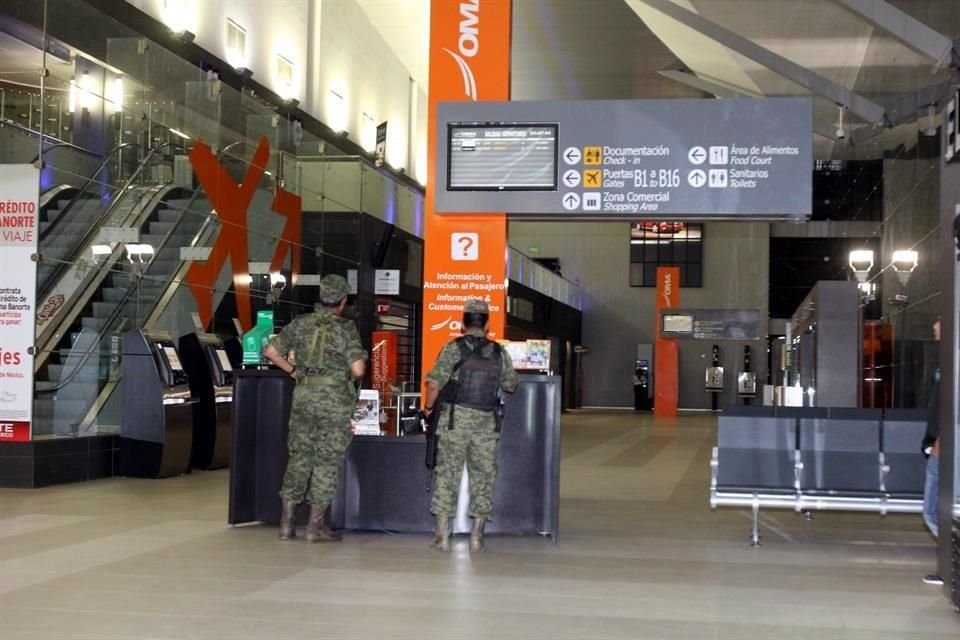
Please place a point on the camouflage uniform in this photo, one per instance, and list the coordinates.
(323, 402)
(473, 438)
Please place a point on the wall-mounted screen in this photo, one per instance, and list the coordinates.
(224, 360)
(675, 323)
(502, 157)
(172, 358)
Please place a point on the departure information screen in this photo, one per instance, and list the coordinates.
(677, 323)
(502, 157)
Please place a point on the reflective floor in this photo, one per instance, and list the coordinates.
(641, 556)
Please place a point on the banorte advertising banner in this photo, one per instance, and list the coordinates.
(666, 352)
(466, 256)
(19, 215)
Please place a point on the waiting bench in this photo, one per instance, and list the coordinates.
(818, 459)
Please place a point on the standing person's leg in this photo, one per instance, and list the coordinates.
(451, 454)
(931, 507)
(296, 478)
(482, 470)
(332, 438)
(931, 496)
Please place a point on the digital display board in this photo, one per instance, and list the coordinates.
(677, 323)
(502, 157)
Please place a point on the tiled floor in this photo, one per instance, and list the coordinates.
(641, 556)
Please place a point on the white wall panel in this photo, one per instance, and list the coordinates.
(349, 57)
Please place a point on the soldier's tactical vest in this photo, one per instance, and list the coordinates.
(478, 382)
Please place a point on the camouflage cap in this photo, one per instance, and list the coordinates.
(333, 289)
(476, 306)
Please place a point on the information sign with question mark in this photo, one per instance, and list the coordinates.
(465, 246)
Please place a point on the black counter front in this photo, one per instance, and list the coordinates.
(383, 485)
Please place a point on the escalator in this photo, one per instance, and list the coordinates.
(90, 286)
(78, 365)
(80, 357)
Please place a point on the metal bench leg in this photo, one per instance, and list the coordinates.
(755, 534)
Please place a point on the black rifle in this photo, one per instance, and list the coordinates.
(433, 440)
(499, 412)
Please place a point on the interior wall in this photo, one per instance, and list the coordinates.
(349, 57)
(616, 316)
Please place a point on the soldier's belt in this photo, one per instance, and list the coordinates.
(321, 380)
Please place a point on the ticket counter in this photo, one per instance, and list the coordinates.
(384, 482)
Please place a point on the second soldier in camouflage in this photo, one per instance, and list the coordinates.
(478, 369)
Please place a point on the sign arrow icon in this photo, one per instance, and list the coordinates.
(571, 178)
(571, 201)
(572, 155)
(697, 155)
(697, 178)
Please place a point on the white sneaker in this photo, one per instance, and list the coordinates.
(933, 579)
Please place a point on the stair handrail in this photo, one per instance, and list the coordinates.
(56, 142)
(105, 215)
(105, 329)
(86, 186)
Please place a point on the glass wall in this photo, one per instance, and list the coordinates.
(127, 214)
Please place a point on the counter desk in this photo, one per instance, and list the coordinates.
(383, 485)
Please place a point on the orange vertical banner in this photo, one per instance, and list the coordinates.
(666, 355)
(465, 255)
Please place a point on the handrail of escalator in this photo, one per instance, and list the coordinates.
(64, 145)
(86, 185)
(57, 142)
(103, 217)
(107, 326)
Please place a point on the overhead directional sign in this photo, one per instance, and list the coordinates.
(658, 159)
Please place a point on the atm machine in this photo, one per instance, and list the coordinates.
(156, 428)
(210, 373)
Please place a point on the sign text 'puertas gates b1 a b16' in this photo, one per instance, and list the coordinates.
(465, 256)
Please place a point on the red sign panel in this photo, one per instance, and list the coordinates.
(14, 431)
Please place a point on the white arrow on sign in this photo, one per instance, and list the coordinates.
(571, 155)
(571, 178)
(697, 155)
(697, 178)
(571, 201)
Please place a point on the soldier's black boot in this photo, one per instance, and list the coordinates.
(288, 523)
(441, 534)
(476, 535)
(317, 529)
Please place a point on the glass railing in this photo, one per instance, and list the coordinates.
(528, 272)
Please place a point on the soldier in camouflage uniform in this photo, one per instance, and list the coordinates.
(478, 368)
(329, 358)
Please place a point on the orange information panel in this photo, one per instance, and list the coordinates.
(666, 354)
(465, 256)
